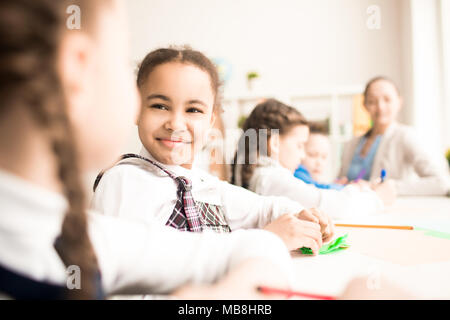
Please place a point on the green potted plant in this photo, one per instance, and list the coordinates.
(241, 121)
(251, 76)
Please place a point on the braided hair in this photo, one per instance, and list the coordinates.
(30, 35)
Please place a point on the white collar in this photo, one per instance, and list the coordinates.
(176, 169)
(261, 162)
(390, 129)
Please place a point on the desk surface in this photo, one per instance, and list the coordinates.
(417, 262)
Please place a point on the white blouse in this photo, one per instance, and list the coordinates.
(145, 256)
(270, 178)
(137, 189)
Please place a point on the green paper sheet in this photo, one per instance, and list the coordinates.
(434, 233)
(334, 246)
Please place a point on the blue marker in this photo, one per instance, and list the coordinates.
(383, 175)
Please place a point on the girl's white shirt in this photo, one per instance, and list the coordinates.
(271, 178)
(139, 255)
(139, 190)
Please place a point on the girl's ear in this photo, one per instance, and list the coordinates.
(141, 107)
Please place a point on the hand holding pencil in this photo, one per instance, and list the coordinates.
(386, 191)
(385, 188)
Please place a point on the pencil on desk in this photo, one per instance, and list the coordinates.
(289, 293)
(373, 226)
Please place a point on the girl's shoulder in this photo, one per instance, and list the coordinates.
(403, 136)
(266, 175)
(133, 168)
(124, 171)
(399, 130)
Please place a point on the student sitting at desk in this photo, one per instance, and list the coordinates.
(391, 146)
(56, 125)
(180, 89)
(266, 165)
(317, 153)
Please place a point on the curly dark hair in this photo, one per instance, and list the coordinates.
(185, 55)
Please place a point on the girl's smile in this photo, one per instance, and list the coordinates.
(172, 143)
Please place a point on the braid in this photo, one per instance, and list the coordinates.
(270, 115)
(30, 34)
(73, 245)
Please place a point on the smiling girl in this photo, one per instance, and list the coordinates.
(56, 125)
(179, 90)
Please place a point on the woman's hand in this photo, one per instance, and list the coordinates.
(317, 216)
(386, 191)
(297, 233)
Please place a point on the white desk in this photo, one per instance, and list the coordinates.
(416, 262)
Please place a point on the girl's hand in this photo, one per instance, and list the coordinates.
(362, 288)
(240, 283)
(297, 233)
(317, 216)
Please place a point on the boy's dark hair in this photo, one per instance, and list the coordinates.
(319, 127)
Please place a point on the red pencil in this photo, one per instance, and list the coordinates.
(289, 293)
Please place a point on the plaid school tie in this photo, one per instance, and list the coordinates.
(185, 211)
(185, 215)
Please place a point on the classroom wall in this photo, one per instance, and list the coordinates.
(312, 45)
(293, 44)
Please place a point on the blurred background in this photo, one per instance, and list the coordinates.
(314, 55)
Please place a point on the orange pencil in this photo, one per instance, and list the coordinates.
(373, 226)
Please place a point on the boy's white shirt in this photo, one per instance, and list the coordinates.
(271, 178)
(152, 258)
(136, 189)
